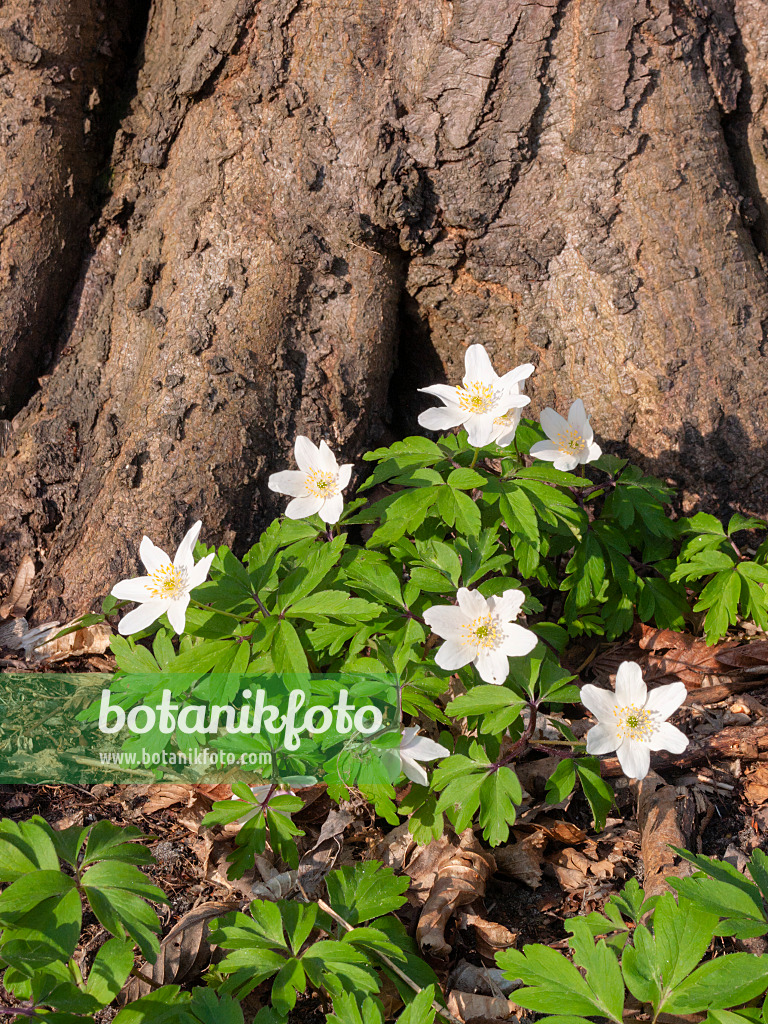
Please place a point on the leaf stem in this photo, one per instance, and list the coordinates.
(446, 1014)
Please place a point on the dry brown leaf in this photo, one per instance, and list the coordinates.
(523, 859)
(317, 862)
(667, 817)
(753, 655)
(217, 865)
(490, 936)
(184, 952)
(578, 869)
(196, 799)
(86, 641)
(275, 885)
(20, 596)
(488, 981)
(460, 879)
(394, 848)
(756, 784)
(469, 1006)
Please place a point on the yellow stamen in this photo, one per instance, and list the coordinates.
(321, 485)
(168, 582)
(477, 398)
(571, 441)
(633, 722)
(483, 632)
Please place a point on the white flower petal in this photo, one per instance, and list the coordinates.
(301, 508)
(600, 702)
(478, 366)
(453, 655)
(472, 602)
(480, 429)
(306, 454)
(634, 758)
(518, 641)
(507, 607)
(445, 620)
(492, 666)
(141, 617)
(594, 451)
(422, 748)
(199, 572)
(553, 424)
(332, 508)
(665, 700)
(514, 401)
(413, 771)
(289, 481)
(443, 391)
(137, 589)
(545, 450)
(442, 417)
(565, 463)
(602, 738)
(669, 737)
(505, 433)
(152, 556)
(577, 417)
(327, 459)
(514, 377)
(630, 688)
(345, 473)
(177, 612)
(183, 558)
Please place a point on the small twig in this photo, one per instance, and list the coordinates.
(383, 956)
(136, 973)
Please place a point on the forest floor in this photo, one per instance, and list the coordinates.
(712, 799)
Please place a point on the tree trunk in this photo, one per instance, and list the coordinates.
(315, 205)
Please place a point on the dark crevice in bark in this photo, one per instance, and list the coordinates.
(417, 364)
(754, 207)
(115, 94)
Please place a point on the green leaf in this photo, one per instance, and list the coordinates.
(365, 891)
(683, 932)
(109, 970)
(500, 791)
(519, 514)
(602, 970)
(554, 985)
(116, 842)
(740, 522)
(116, 893)
(208, 1008)
(287, 652)
(465, 479)
(166, 1004)
(25, 847)
(597, 791)
(467, 514)
(29, 890)
(561, 782)
(726, 981)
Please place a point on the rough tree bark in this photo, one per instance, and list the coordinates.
(315, 205)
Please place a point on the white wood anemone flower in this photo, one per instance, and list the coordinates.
(166, 588)
(316, 485)
(481, 402)
(482, 631)
(633, 721)
(413, 748)
(571, 442)
(505, 427)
